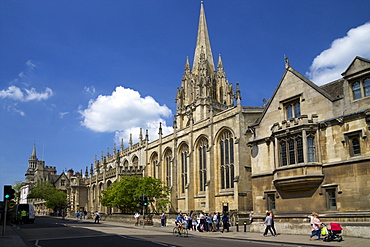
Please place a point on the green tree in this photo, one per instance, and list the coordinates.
(125, 194)
(17, 185)
(54, 198)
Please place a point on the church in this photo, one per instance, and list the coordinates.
(306, 150)
(206, 160)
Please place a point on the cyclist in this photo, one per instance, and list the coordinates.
(179, 219)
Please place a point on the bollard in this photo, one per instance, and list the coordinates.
(237, 226)
(245, 226)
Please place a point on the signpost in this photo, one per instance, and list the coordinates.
(8, 195)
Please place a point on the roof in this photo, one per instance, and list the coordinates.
(334, 89)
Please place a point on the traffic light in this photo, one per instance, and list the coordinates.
(8, 192)
(143, 200)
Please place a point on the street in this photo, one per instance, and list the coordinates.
(55, 232)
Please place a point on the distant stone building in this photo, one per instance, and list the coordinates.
(37, 171)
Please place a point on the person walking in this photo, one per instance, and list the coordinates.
(225, 222)
(268, 222)
(77, 215)
(251, 217)
(273, 223)
(194, 222)
(97, 217)
(23, 216)
(214, 222)
(137, 217)
(163, 219)
(316, 227)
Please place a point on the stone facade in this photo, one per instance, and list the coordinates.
(310, 148)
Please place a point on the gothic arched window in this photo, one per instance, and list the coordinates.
(167, 160)
(184, 167)
(135, 163)
(202, 149)
(227, 160)
(154, 163)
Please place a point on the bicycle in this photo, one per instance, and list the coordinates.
(180, 230)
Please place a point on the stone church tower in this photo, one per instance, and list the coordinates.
(37, 171)
(203, 88)
(32, 165)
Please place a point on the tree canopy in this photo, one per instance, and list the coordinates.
(54, 198)
(125, 194)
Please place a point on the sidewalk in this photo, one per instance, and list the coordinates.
(298, 240)
(12, 239)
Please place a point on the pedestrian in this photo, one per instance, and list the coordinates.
(273, 223)
(316, 227)
(202, 222)
(225, 222)
(186, 221)
(97, 217)
(209, 223)
(251, 217)
(137, 217)
(268, 222)
(190, 220)
(311, 219)
(194, 222)
(23, 216)
(85, 214)
(218, 221)
(163, 219)
(214, 222)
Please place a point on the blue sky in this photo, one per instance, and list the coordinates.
(76, 76)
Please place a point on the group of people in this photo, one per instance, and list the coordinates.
(270, 224)
(315, 222)
(81, 215)
(211, 222)
(208, 222)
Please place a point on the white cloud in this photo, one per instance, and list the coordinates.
(30, 64)
(16, 93)
(89, 90)
(329, 65)
(22, 75)
(62, 114)
(125, 112)
(13, 108)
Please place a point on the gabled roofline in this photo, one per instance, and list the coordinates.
(353, 61)
(300, 76)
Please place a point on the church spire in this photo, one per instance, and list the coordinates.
(203, 44)
(33, 156)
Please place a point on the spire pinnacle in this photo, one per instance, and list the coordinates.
(220, 66)
(203, 44)
(33, 156)
(187, 65)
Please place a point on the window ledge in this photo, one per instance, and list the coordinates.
(299, 183)
(226, 192)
